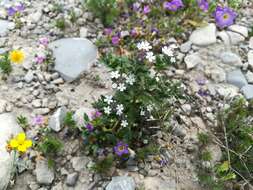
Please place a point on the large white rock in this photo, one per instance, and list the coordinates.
(73, 56)
(204, 36)
(8, 128)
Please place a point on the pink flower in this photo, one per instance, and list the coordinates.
(44, 41)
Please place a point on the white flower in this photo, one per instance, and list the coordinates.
(124, 123)
(114, 85)
(107, 110)
(115, 74)
(108, 99)
(121, 87)
(130, 79)
(142, 113)
(119, 109)
(173, 46)
(167, 51)
(173, 60)
(144, 46)
(150, 56)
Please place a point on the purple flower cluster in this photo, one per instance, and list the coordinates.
(203, 5)
(11, 11)
(121, 149)
(224, 16)
(173, 5)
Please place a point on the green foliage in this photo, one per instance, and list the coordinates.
(206, 156)
(106, 10)
(204, 138)
(5, 64)
(150, 149)
(73, 16)
(104, 165)
(237, 121)
(251, 31)
(50, 145)
(235, 132)
(23, 122)
(60, 23)
(69, 121)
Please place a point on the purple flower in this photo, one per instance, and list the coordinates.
(173, 5)
(202, 92)
(121, 148)
(136, 6)
(224, 16)
(134, 32)
(20, 7)
(108, 31)
(89, 127)
(11, 11)
(203, 5)
(201, 82)
(39, 59)
(44, 41)
(38, 120)
(96, 114)
(146, 9)
(115, 40)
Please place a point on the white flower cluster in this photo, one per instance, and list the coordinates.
(118, 110)
(145, 46)
(122, 80)
(169, 51)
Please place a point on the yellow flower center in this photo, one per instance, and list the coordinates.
(225, 16)
(121, 148)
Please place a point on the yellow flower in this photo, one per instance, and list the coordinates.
(17, 56)
(20, 143)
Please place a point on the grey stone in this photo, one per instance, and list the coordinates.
(155, 183)
(239, 29)
(192, 60)
(3, 105)
(249, 76)
(235, 38)
(83, 32)
(204, 36)
(121, 183)
(44, 174)
(250, 58)
(185, 47)
(236, 78)
(56, 121)
(79, 163)
(4, 27)
(231, 59)
(73, 56)
(8, 128)
(247, 91)
(251, 43)
(218, 74)
(36, 103)
(29, 76)
(72, 179)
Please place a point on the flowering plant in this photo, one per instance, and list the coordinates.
(141, 104)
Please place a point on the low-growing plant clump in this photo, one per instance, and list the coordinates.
(235, 137)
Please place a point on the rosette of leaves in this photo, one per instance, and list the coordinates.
(5, 64)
